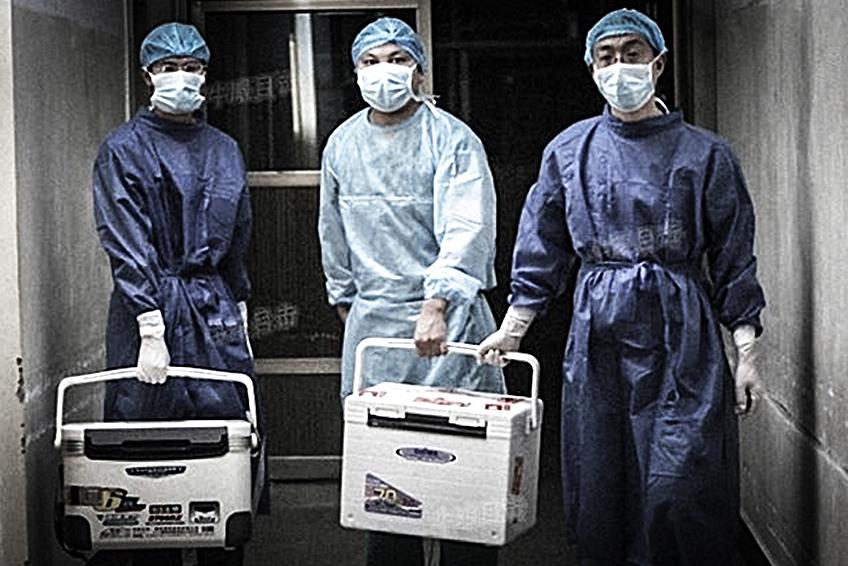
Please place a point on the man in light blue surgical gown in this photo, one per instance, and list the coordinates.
(407, 229)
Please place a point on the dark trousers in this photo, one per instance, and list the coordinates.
(205, 557)
(396, 550)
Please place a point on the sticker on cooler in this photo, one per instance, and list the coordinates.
(517, 475)
(385, 499)
(503, 404)
(450, 398)
(155, 532)
(119, 520)
(103, 499)
(367, 393)
(427, 455)
(441, 401)
(155, 471)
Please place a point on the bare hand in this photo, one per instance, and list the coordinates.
(343, 311)
(431, 331)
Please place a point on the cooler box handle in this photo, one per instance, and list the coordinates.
(132, 373)
(453, 348)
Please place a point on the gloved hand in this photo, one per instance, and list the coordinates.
(153, 356)
(507, 338)
(242, 307)
(746, 377)
(431, 330)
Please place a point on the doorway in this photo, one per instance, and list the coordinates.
(280, 81)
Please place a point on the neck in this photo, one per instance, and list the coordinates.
(181, 118)
(396, 117)
(648, 110)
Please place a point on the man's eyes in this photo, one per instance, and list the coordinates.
(393, 60)
(173, 68)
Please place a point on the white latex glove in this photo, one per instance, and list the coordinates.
(153, 356)
(746, 377)
(242, 307)
(507, 338)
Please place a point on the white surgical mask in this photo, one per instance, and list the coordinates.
(386, 87)
(177, 92)
(626, 86)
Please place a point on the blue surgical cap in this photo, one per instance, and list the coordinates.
(624, 22)
(389, 30)
(173, 40)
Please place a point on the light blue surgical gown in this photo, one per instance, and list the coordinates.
(649, 432)
(407, 214)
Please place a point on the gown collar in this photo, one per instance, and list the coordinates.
(644, 127)
(163, 124)
(415, 117)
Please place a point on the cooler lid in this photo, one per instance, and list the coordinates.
(156, 440)
(234, 427)
(438, 409)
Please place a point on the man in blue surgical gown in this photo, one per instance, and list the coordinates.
(642, 201)
(407, 229)
(173, 214)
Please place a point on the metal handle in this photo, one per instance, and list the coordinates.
(453, 348)
(132, 373)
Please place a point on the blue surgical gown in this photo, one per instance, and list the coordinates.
(173, 214)
(657, 215)
(407, 214)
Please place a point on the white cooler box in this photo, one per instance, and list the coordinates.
(155, 484)
(440, 463)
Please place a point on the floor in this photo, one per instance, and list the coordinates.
(304, 530)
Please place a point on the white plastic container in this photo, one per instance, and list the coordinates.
(156, 484)
(439, 463)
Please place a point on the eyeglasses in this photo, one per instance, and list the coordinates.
(172, 67)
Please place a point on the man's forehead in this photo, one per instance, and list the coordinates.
(180, 60)
(385, 50)
(621, 41)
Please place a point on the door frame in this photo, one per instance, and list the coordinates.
(308, 178)
(297, 467)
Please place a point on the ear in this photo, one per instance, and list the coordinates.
(659, 66)
(417, 79)
(146, 76)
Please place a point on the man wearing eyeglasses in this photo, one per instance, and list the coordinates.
(173, 214)
(655, 215)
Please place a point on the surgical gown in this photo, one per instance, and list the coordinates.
(650, 438)
(173, 214)
(407, 214)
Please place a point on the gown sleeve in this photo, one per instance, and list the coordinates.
(233, 268)
(737, 295)
(125, 231)
(335, 252)
(543, 251)
(464, 210)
